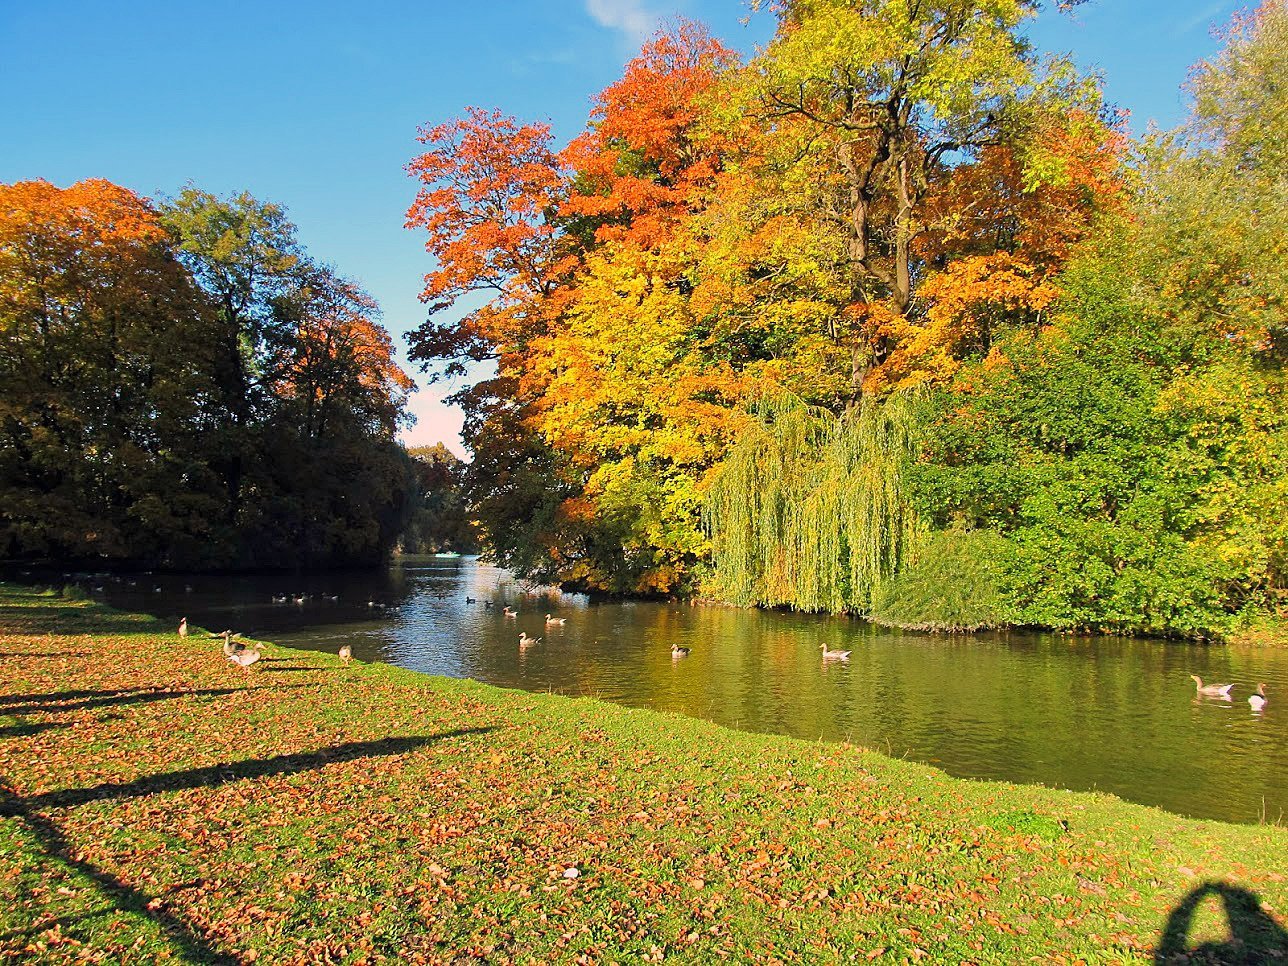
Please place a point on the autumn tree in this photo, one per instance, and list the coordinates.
(105, 378)
(185, 387)
(871, 110)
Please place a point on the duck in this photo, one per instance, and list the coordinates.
(244, 657)
(1258, 700)
(526, 641)
(555, 621)
(834, 655)
(331, 597)
(1211, 690)
(346, 654)
(471, 600)
(678, 651)
(487, 605)
(183, 627)
(510, 612)
(298, 599)
(279, 599)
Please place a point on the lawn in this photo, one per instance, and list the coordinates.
(159, 804)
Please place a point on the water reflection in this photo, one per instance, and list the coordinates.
(1085, 713)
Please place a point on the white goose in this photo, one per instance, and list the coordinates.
(1258, 700)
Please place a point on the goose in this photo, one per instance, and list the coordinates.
(526, 641)
(555, 621)
(1258, 700)
(834, 655)
(510, 612)
(231, 644)
(678, 651)
(279, 600)
(1211, 690)
(299, 599)
(244, 657)
(346, 654)
(331, 597)
(183, 627)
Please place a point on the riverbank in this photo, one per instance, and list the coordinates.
(159, 802)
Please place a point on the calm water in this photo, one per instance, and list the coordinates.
(1084, 713)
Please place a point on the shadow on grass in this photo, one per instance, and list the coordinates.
(55, 697)
(189, 943)
(27, 730)
(131, 697)
(1254, 936)
(213, 775)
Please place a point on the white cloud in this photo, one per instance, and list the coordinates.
(628, 16)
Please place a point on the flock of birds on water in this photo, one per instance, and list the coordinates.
(244, 655)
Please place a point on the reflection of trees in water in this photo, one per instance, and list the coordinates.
(1252, 937)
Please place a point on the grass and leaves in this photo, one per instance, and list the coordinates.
(158, 804)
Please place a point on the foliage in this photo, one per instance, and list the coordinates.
(182, 386)
(439, 520)
(366, 812)
(951, 583)
(860, 208)
(1133, 452)
(811, 512)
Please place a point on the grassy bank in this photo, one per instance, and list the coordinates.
(159, 804)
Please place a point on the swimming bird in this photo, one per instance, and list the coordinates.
(279, 600)
(510, 612)
(555, 621)
(299, 599)
(471, 600)
(487, 605)
(245, 657)
(678, 651)
(526, 641)
(183, 627)
(1258, 700)
(834, 655)
(346, 654)
(1211, 690)
(332, 597)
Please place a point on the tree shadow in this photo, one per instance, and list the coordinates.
(213, 775)
(289, 667)
(132, 697)
(188, 942)
(27, 730)
(55, 697)
(1254, 936)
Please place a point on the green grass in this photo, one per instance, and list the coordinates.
(159, 804)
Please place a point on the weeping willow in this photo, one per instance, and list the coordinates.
(809, 510)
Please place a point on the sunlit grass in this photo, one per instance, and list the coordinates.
(159, 803)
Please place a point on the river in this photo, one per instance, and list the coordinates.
(1112, 714)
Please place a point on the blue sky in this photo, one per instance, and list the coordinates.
(315, 105)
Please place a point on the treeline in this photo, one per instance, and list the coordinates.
(183, 386)
(440, 520)
(893, 318)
